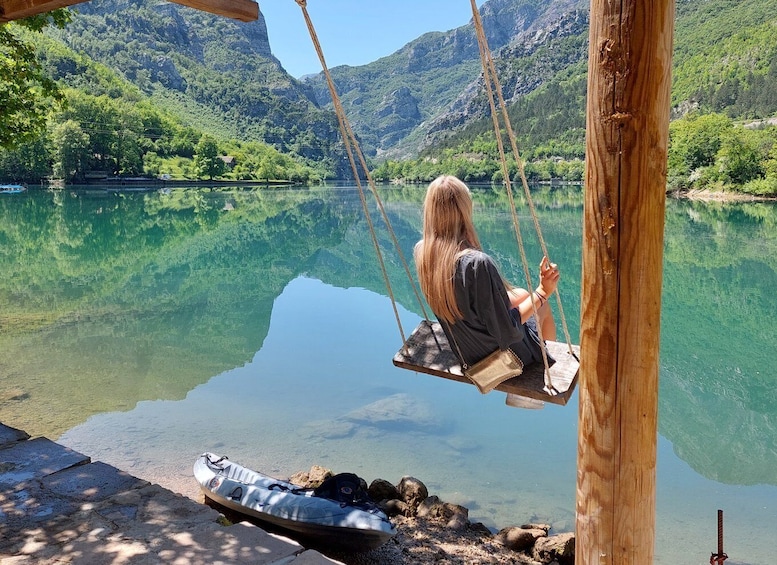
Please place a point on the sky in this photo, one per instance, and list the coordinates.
(354, 32)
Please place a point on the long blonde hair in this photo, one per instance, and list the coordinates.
(448, 233)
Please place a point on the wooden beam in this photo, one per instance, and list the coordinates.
(629, 76)
(18, 9)
(243, 10)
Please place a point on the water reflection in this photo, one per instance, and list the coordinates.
(266, 312)
(108, 299)
(718, 403)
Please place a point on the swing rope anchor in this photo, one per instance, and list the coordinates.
(719, 557)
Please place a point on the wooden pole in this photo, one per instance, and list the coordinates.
(629, 80)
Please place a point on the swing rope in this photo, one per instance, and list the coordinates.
(354, 152)
(490, 77)
(351, 147)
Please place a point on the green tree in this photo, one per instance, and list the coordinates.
(26, 91)
(695, 141)
(739, 159)
(28, 162)
(71, 150)
(206, 159)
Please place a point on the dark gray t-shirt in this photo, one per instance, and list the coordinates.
(489, 322)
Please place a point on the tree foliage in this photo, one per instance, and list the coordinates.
(107, 128)
(25, 88)
(206, 159)
(708, 151)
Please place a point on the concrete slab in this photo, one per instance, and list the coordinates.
(57, 507)
(153, 525)
(35, 459)
(11, 435)
(27, 505)
(92, 482)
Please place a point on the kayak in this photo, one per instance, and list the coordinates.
(356, 526)
(12, 188)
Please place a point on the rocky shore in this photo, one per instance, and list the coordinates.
(430, 530)
(57, 506)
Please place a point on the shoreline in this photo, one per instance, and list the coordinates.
(61, 505)
(706, 195)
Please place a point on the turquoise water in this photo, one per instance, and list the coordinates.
(144, 329)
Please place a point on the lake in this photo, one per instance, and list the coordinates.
(143, 328)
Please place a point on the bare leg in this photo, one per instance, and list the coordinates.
(544, 313)
(548, 323)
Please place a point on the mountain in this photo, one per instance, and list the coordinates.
(409, 99)
(216, 74)
(220, 76)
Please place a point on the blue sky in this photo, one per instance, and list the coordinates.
(354, 32)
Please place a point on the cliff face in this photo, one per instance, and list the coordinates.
(534, 57)
(404, 101)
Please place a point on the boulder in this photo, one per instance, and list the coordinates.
(312, 478)
(380, 490)
(412, 491)
(398, 411)
(559, 548)
(396, 507)
(519, 539)
(537, 526)
(454, 516)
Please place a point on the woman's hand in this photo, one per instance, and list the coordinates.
(549, 276)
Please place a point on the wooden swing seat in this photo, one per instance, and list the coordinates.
(427, 351)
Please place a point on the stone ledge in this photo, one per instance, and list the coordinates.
(56, 506)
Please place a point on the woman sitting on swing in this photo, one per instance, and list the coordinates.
(464, 288)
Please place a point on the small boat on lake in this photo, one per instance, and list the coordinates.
(356, 525)
(12, 188)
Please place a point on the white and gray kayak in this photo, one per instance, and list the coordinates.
(357, 527)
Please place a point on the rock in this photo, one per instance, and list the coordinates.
(380, 490)
(328, 429)
(427, 506)
(533, 526)
(412, 491)
(459, 521)
(559, 548)
(519, 539)
(480, 528)
(400, 102)
(312, 478)
(454, 516)
(398, 411)
(396, 507)
(462, 444)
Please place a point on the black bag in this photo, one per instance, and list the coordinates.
(345, 488)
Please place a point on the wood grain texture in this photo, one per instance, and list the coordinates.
(427, 351)
(17, 9)
(629, 78)
(243, 10)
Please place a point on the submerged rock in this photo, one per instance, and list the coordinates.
(398, 411)
(328, 429)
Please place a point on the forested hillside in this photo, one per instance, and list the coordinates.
(215, 73)
(724, 94)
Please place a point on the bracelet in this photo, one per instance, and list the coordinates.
(543, 300)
